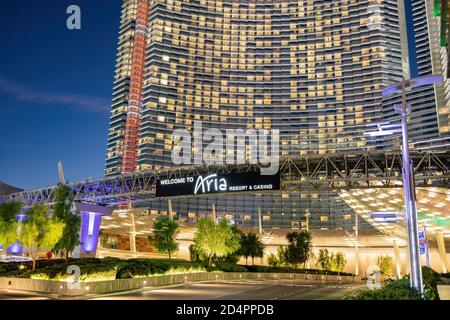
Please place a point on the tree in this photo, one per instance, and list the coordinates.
(251, 246)
(194, 255)
(9, 224)
(163, 237)
(332, 262)
(299, 249)
(324, 260)
(235, 256)
(386, 265)
(339, 262)
(273, 261)
(40, 232)
(215, 240)
(71, 235)
(281, 254)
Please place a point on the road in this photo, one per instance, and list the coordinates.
(268, 290)
(245, 290)
(18, 296)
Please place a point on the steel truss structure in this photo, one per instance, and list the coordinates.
(327, 172)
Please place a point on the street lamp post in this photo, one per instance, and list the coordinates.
(410, 200)
(356, 244)
(408, 176)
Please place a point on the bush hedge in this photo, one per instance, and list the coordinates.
(114, 268)
(268, 269)
(149, 267)
(430, 279)
(401, 290)
(394, 290)
(227, 266)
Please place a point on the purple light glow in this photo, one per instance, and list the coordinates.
(388, 91)
(427, 80)
(380, 133)
(21, 217)
(15, 249)
(387, 213)
(412, 83)
(90, 228)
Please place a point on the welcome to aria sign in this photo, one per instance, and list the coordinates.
(216, 183)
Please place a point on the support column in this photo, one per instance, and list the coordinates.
(356, 260)
(214, 212)
(442, 251)
(90, 229)
(91, 217)
(132, 234)
(260, 221)
(169, 205)
(307, 214)
(356, 244)
(398, 265)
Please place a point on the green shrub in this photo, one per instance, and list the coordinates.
(273, 260)
(114, 268)
(182, 269)
(394, 290)
(229, 267)
(330, 261)
(268, 269)
(40, 276)
(386, 265)
(430, 279)
(401, 290)
(98, 275)
(146, 267)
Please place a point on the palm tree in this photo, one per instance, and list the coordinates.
(251, 246)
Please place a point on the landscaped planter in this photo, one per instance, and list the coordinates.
(67, 289)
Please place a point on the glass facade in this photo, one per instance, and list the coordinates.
(286, 210)
(430, 106)
(312, 69)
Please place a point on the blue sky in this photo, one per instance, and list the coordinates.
(55, 89)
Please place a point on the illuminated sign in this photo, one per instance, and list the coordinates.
(422, 242)
(216, 183)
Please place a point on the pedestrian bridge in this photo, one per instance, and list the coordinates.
(330, 172)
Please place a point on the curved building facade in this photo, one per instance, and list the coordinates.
(312, 69)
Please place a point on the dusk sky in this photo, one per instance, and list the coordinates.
(55, 89)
